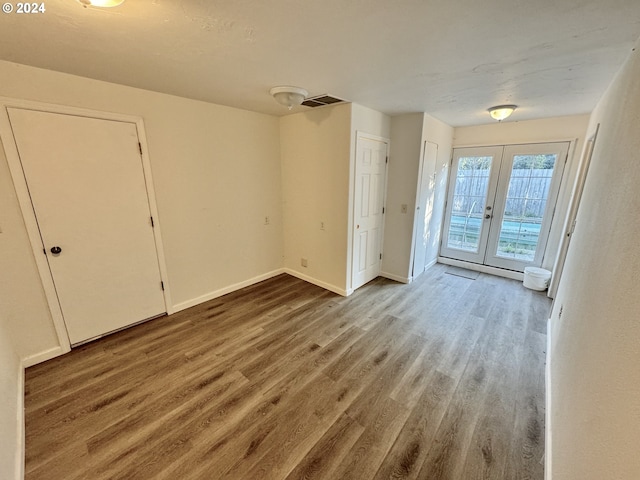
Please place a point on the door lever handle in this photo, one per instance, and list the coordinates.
(56, 250)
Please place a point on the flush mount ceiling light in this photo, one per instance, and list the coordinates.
(289, 96)
(101, 3)
(500, 112)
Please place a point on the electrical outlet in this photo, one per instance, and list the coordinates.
(266, 220)
(303, 262)
(560, 312)
(321, 225)
(403, 208)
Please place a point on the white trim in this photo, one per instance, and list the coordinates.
(153, 208)
(319, 283)
(20, 435)
(500, 272)
(43, 356)
(396, 278)
(223, 291)
(430, 264)
(24, 200)
(525, 142)
(547, 408)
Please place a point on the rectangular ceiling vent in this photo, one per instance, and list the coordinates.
(321, 101)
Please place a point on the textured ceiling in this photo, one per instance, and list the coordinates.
(452, 59)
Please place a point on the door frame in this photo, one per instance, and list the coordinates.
(29, 217)
(417, 213)
(501, 272)
(351, 235)
(572, 212)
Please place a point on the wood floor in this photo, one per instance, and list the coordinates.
(439, 379)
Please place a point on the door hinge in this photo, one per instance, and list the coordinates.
(140, 147)
(44, 250)
(380, 256)
(383, 210)
(152, 224)
(386, 159)
(162, 285)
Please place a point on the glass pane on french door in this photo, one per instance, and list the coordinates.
(471, 191)
(525, 205)
(469, 198)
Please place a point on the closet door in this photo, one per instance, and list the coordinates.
(88, 191)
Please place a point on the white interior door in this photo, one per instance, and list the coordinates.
(87, 186)
(424, 207)
(369, 191)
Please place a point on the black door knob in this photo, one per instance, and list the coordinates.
(56, 250)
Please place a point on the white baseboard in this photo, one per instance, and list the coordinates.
(223, 291)
(547, 408)
(20, 435)
(397, 278)
(431, 264)
(500, 272)
(40, 357)
(319, 283)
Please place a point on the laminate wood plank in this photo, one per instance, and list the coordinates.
(329, 451)
(439, 379)
(257, 425)
(369, 451)
(410, 448)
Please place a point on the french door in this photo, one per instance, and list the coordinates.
(500, 203)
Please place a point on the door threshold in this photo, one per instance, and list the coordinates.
(499, 272)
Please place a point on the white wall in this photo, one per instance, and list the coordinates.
(216, 172)
(404, 164)
(595, 350)
(409, 133)
(317, 155)
(11, 439)
(536, 131)
(315, 148)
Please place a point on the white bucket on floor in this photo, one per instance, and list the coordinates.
(536, 278)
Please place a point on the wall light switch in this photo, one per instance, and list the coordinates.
(403, 208)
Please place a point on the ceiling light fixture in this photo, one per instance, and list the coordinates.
(500, 112)
(101, 3)
(289, 96)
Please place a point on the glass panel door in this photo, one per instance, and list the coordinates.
(500, 203)
(525, 199)
(471, 192)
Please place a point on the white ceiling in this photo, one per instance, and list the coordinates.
(450, 58)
